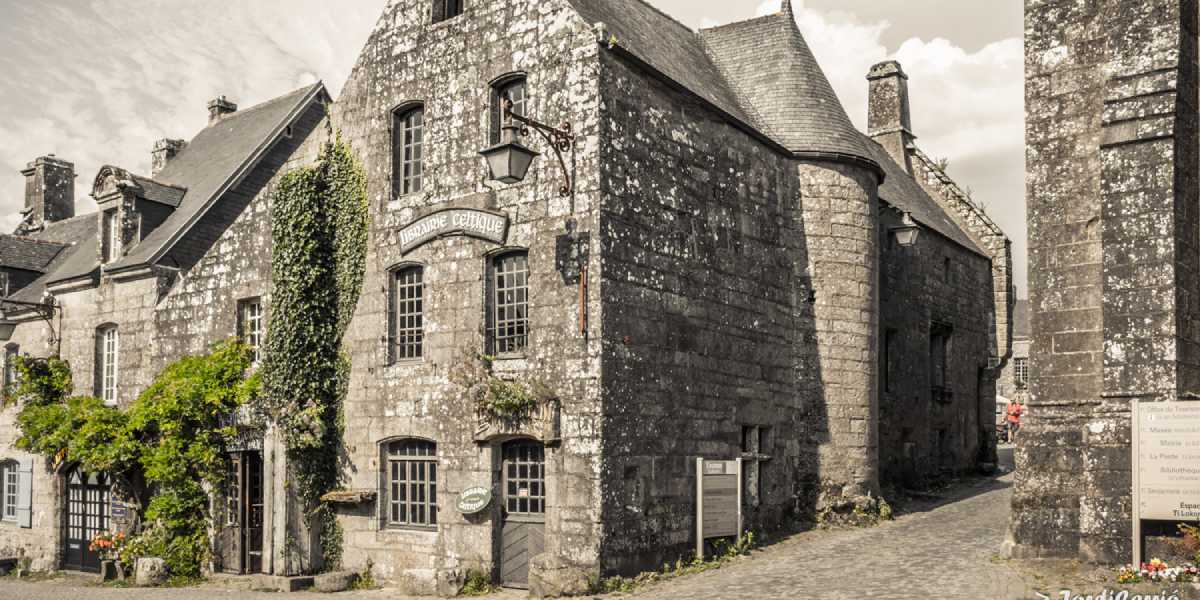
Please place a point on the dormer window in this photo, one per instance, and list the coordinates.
(111, 242)
(446, 9)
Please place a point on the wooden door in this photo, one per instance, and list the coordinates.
(523, 524)
(241, 531)
(86, 517)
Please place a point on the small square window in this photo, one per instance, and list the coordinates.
(446, 9)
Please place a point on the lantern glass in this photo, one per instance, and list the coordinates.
(509, 162)
(7, 328)
(907, 236)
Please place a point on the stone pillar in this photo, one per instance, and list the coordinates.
(164, 151)
(840, 223)
(49, 193)
(888, 119)
(1112, 144)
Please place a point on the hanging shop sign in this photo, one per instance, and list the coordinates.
(718, 500)
(1166, 464)
(481, 224)
(474, 500)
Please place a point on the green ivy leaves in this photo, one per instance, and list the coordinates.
(319, 228)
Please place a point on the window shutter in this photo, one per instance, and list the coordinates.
(25, 492)
(391, 317)
(494, 134)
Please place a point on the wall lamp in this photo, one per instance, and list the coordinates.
(45, 309)
(907, 231)
(509, 160)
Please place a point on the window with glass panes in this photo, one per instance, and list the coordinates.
(1021, 371)
(524, 477)
(511, 90)
(107, 355)
(510, 303)
(250, 325)
(10, 478)
(408, 134)
(112, 236)
(411, 480)
(407, 308)
(446, 9)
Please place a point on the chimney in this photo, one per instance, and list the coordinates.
(49, 193)
(219, 108)
(888, 120)
(164, 151)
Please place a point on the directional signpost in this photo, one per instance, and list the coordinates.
(718, 500)
(1166, 465)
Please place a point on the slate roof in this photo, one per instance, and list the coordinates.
(759, 72)
(900, 190)
(26, 253)
(211, 162)
(77, 238)
(161, 193)
(769, 63)
(667, 45)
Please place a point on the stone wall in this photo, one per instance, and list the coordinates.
(926, 435)
(1111, 137)
(705, 317)
(448, 66)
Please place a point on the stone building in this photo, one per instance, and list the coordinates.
(1112, 186)
(726, 274)
(1014, 379)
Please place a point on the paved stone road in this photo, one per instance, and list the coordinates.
(948, 551)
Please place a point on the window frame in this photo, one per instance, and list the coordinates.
(395, 349)
(10, 490)
(252, 337)
(428, 485)
(1021, 372)
(493, 305)
(407, 153)
(445, 10)
(106, 359)
(112, 239)
(499, 87)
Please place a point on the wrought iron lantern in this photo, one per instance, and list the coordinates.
(509, 161)
(7, 327)
(907, 231)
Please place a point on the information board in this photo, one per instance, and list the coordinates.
(1166, 464)
(718, 500)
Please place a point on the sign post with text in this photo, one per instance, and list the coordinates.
(1166, 465)
(718, 500)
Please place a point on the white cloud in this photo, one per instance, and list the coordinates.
(967, 107)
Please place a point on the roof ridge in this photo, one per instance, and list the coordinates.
(743, 22)
(265, 103)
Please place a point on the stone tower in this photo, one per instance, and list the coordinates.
(1112, 194)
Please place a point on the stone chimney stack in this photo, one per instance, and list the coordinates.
(164, 151)
(888, 120)
(49, 193)
(219, 108)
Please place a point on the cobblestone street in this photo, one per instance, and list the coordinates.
(948, 549)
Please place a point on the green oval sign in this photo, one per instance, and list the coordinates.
(474, 500)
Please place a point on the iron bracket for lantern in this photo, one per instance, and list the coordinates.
(45, 310)
(560, 138)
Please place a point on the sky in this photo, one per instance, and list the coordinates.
(96, 82)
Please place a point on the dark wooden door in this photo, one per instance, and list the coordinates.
(87, 516)
(523, 525)
(242, 523)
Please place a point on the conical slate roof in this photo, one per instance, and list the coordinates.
(774, 72)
